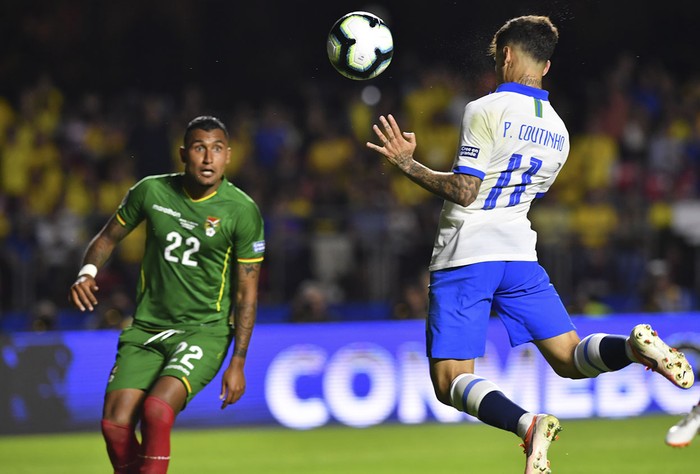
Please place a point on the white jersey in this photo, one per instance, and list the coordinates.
(516, 143)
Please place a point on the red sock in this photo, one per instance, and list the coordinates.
(122, 447)
(156, 422)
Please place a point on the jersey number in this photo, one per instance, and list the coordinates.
(192, 247)
(505, 177)
(195, 352)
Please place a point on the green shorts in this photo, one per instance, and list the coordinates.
(193, 355)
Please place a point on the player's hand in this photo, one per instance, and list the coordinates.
(397, 146)
(82, 293)
(232, 385)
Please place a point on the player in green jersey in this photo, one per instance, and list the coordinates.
(202, 232)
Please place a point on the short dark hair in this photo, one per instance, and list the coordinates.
(206, 123)
(536, 35)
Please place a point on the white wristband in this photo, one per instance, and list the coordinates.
(88, 269)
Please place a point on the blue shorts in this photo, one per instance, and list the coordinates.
(461, 300)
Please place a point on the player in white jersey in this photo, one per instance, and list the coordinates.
(514, 142)
(512, 146)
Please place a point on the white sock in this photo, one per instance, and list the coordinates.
(587, 357)
(524, 424)
(467, 391)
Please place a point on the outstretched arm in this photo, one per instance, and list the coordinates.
(398, 148)
(233, 381)
(82, 292)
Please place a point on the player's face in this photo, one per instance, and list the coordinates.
(205, 156)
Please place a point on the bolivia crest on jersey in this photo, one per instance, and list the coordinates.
(211, 226)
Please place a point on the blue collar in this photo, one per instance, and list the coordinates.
(523, 89)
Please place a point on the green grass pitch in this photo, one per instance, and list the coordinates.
(632, 445)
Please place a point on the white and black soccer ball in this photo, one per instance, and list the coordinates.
(360, 45)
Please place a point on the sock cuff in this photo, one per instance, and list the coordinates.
(109, 424)
(154, 403)
(467, 391)
(524, 423)
(587, 356)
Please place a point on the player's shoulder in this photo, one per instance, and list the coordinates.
(479, 103)
(230, 192)
(485, 104)
(159, 180)
(482, 110)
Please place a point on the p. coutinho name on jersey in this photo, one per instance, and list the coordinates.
(541, 136)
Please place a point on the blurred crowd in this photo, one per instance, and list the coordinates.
(618, 232)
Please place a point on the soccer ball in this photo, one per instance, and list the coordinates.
(360, 45)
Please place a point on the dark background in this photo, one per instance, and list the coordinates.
(255, 49)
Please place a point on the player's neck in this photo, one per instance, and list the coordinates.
(522, 70)
(196, 191)
(531, 80)
(526, 80)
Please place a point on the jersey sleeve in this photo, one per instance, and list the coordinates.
(131, 210)
(249, 240)
(476, 142)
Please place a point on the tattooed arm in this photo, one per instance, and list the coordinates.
(233, 380)
(82, 292)
(398, 148)
(456, 187)
(246, 307)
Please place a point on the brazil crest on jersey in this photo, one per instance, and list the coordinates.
(191, 248)
(513, 140)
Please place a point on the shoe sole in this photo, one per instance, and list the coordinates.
(656, 355)
(545, 431)
(678, 445)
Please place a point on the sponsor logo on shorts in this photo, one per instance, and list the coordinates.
(178, 367)
(468, 151)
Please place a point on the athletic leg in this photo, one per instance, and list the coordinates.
(119, 418)
(598, 353)
(460, 303)
(532, 311)
(456, 385)
(573, 358)
(186, 373)
(138, 362)
(160, 408)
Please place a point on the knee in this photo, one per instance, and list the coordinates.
(121, 408)
(157, 411)
(561, 358)
(444, 388)
(441, 387)
(122, 419)
(443, 373)
(442, 394)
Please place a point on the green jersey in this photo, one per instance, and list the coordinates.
(191, 248)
